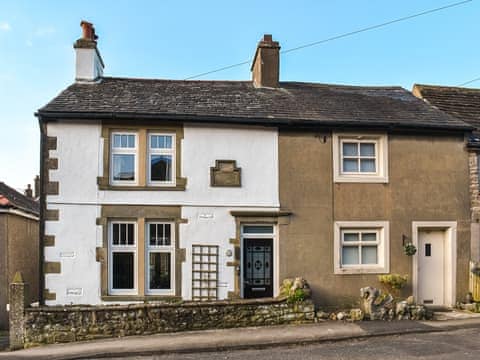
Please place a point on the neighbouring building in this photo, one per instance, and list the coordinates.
(19, 222)
(203, 190)
(464, 104)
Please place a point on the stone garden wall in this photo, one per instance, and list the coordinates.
(47, 325)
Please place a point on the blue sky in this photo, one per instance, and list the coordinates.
(178, 39)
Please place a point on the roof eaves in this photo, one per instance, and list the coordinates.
(95, 116)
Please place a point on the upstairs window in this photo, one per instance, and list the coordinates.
(161, 159)
(361, 158)
(124, 158)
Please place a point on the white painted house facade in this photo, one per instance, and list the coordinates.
(205, 209)
(158, 190)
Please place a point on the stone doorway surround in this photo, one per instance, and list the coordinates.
(275, 217)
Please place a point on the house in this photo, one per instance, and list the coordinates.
(464, 104)
(19, 221)
(204, 190)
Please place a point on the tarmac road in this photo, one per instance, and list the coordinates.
(463, 344)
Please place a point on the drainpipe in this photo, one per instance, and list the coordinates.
(41, 232)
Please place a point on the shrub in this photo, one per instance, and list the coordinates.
(393, 283)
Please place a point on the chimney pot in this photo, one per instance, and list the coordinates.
(28, 191)
(37, 186)
(88, 31)
(266, 63)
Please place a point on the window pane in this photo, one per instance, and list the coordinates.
(123, 234)
(369, 237)
(350, 236)
(123, 141)
(131, 141)
(350, 149)
(153, 234)
(117, 140)
(116, 234)
(159, 267)
(161, 141)
(258, 229)
(123, 167)
(122, 270)
(131, 234)
(350, 165)
(369, 255)
(166, 234)
(367, 149)
(161, 168)
(367, 165)
(168, 142)
(350, 255)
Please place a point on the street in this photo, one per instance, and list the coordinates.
(457, 344)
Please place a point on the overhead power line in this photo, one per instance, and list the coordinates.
(426, 12)
(469, 82)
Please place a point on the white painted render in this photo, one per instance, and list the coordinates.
(80, 153)
(76, 237)
(206, 209)
(88, 66)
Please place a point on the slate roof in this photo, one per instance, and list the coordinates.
(11, 198)
(293, 103)
(462, 103)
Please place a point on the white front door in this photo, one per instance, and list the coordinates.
(431, 267)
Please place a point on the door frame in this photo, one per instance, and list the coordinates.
(450, 254)
(274, 237)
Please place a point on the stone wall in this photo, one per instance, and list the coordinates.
(474, 206)
(58, 324)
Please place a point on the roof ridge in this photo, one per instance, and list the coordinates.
(373, 87)
(446, 87)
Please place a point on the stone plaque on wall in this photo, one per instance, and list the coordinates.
(225, 173)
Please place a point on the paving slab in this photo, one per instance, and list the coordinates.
(233, 339)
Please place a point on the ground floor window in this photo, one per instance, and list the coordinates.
(131, 247)
(160, 252)
(361, 247)
(123, 257)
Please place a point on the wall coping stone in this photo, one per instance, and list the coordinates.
(158, 304)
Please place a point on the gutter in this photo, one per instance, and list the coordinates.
(19, 213)
(45, 116)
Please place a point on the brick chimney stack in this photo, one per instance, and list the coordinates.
(89, 64)
(266, 63)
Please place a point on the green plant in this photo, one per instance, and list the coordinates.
(297, 295)
(393, 283)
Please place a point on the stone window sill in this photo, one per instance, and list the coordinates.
(103, 184)
(144, 298)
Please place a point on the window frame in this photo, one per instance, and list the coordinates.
(358, 157)
(123, 151)
(122, 248)
(383, 246)
(160, 249)
(157, 151)
(381, 158)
